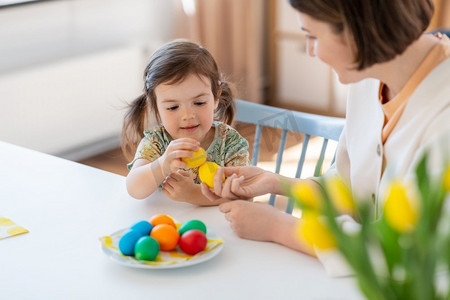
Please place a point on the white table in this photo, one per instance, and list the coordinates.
(67, 206)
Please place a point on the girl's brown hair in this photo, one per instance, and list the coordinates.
(381, 29)
(170, 64)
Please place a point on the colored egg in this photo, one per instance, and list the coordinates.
(195, 161)
(207, 171)
(192, 224)
(128, 241)
(166, 236)
(162, 219)
(144, 227)
(192, 242)
(146, 248)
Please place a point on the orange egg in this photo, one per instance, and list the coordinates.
(166, 236)
(162, 219)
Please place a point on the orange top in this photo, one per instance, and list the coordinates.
(393, 109)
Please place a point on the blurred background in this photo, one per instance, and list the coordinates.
(68, 67)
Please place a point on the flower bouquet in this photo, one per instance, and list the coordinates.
(404, 252)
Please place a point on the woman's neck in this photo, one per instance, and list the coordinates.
(396, 72)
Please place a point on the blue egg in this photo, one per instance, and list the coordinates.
(128, 241)
(144, 227)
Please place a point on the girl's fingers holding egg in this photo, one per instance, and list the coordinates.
(177, 164)
(182, 153)
(179, 145)
(186, 143)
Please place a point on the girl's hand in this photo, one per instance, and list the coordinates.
(171, 159)
(179, 186)
(241, 183)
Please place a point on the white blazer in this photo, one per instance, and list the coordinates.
(361, 156)
(424, 125)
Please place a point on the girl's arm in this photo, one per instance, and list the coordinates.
(144, 178)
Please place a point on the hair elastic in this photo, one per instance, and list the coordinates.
(147, 80)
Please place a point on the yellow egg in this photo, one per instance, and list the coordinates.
(196, 160)
(207, 171)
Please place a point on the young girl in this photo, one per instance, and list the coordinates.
(193, 105)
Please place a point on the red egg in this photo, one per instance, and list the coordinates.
(193, 241)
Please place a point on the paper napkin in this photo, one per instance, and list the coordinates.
(9, 228)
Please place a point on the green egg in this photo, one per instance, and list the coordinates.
(146, 248)
(192, 224)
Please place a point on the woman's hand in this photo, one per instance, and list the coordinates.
(250, 220)
(241, 183)
(171, 161)
(263, 222)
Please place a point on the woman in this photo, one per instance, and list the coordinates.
(398, 106)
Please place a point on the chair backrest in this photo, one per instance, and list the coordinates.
(311, 125)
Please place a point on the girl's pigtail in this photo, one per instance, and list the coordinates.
(135, 122)
(225, 109)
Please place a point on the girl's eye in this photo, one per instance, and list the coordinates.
(172, 107)
(310, 37)
(200, 103)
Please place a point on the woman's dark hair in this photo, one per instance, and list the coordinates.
(381, 29)
(170, 64)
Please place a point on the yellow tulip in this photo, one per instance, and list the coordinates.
(314, 232)
(398, 208)
(340, 195)
(446, 182)
(307, 194)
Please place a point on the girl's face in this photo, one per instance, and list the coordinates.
(186, 108)
(330, 47)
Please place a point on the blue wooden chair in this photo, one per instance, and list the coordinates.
(311, 125)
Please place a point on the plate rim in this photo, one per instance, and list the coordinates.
(137, 264)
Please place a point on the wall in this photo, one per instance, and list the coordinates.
(302, 82)
(70, 67)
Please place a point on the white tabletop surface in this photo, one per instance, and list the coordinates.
(67, 206)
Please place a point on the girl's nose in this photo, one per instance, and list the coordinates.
(188, 113)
